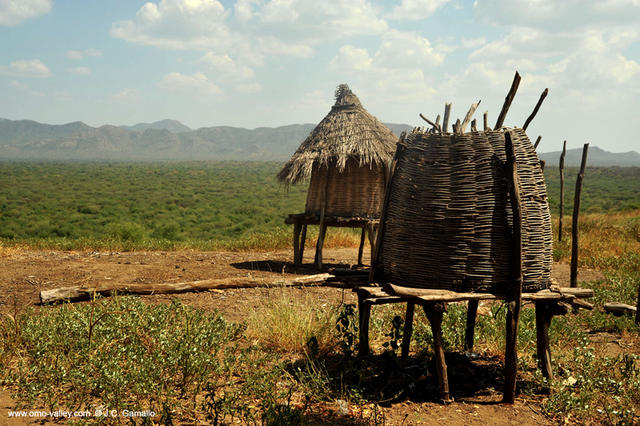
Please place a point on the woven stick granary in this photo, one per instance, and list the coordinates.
(448, 224)
(345, 158)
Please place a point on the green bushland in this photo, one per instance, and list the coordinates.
(202, 205)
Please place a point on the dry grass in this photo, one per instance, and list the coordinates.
(290, 318)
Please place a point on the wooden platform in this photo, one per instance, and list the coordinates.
(301, 220)
(554, 301)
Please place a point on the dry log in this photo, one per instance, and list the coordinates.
(619, 308)
(576, 214)
(535, 110)
(73, 294)
(507, 101)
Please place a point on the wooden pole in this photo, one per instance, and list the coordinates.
(323, 225)
(433, 125)
(485, 121)
(434, 314)
(576, 214)
(303, 239)
(535, 110)
(438, 123)
(507, 101)
(472, 312)
(445, 120)
(361, 246)
(297, 227)
(467, 118)
(515, 302)
(543, 321)
(383, 214)
(474, 125)
(638, 307)
(561, 168)
(535, 145)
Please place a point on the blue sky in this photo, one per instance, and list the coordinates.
(252, 63)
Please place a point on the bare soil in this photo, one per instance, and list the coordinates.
(23, 273)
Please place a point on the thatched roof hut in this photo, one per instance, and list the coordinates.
(345, 158)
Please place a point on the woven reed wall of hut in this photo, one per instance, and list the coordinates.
(357, 191)
(449, 221)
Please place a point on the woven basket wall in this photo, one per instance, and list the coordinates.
(358, 191)
(449, 219)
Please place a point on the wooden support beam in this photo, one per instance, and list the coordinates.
(297, 227)
(434, 314)
(561, 169)
(576, 214)
(303, 239)
(535, 110)
(515, 302)
(507, 101)
(323, 225)
(361, 246)
(445, 120)
(472, 311)
(364, 314)
(485, 121)
(372, 231)
(408, 330)
(543, 321)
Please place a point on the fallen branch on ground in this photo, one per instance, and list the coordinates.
(78, 293)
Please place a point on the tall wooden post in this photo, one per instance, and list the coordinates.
(323, 225)
(576, 213)
(638, 307)
(507, 101)
(514, 304)
(561, 167)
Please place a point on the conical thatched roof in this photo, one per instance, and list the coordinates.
(347, 132)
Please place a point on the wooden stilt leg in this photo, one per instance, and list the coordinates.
(543, 320)
(364, 313)
(361, 248)
(408, 330)
(511, 354)
(320, 244)
(434, 314)
(303, 238)
(472, 310)
(372, 231)
(296, 243)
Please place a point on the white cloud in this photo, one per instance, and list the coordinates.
(195, 84)
(79, 54)
(14, 12)
(178, 24)
(351, 58)
(126, 94)
(80, 70)
(406, 50)
(255, 29)
(414, 10)
(24, 88)
(32, 68)
(224, 66)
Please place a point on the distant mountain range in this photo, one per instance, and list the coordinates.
(595, 157)
(172, 140)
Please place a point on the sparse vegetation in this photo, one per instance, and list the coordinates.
(293, 361)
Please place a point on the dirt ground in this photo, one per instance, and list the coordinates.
(24, 273)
